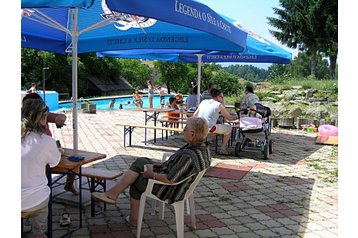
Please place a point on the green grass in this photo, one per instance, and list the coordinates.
(327, 85)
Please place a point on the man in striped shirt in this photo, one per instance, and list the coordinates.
(188, 160)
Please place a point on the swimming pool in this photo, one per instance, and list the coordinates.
(102, 104)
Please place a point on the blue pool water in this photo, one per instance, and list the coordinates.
(102, 104)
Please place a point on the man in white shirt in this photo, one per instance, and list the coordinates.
(210, 110)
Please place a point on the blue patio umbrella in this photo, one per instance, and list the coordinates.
(258, 50)
(61, 29)
(52, 4)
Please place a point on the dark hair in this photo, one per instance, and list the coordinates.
(249, 89)
(211, 84)
(215, 92)
(172, 99)
(31, 96)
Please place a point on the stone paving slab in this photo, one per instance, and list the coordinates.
(293, 194)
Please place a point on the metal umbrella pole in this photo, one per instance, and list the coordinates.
(200, 56)
(43, 81)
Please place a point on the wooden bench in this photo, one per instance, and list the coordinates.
(98, 177)
(26, 215)
(29, 213)
(129, 128)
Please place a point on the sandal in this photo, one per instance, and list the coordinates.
(65, 220)
(129, 222)
(27, 228)
(103, 197)
(224, 152)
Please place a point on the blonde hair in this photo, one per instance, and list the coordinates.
(200, 127)
(32, 112)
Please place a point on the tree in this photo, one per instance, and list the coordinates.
(302, 25)
(329, 36)
(173, 75)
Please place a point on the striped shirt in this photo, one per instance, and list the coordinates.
(185, 162)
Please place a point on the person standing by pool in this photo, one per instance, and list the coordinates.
(137, 99)
(162, 96)
(111, 104)
(32, 89)
(150, 93)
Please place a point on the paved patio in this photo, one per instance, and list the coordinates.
(293, 194)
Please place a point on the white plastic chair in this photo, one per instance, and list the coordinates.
(161, 209)
(178, 206)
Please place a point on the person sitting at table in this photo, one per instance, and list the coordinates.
(179, 97)
(191, 100)
(59, 119)
(190, 159)
(250, 99)
(37, 151)
(173, 117)
(207, 93)
(210, 110)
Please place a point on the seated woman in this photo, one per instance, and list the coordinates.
(173, 117)
(190, 159)
(250, 99)
(59, 119)
(137, 99)
(37, 151)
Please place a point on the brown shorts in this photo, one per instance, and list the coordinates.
(139, 186)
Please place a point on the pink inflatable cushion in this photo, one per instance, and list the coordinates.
(328, 130)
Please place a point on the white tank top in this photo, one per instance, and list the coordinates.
(209, 110)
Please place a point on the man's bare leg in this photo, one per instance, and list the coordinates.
(69, 186)
(127, 179)
(134, 211)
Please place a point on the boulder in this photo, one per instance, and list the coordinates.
(295, 112)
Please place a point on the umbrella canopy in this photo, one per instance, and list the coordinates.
(62, 3)
(258, 50)
(98, 28)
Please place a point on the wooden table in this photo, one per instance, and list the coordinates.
(65, 167)
(152, 113)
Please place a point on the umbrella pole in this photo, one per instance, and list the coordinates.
(74, 78)
(200, 56)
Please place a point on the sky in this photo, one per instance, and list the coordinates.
(252, 14)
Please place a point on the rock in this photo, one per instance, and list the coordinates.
(303, 102)
(296, 112)
(292, 94)
(310, 92)
(269, 99)
(317, 111)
